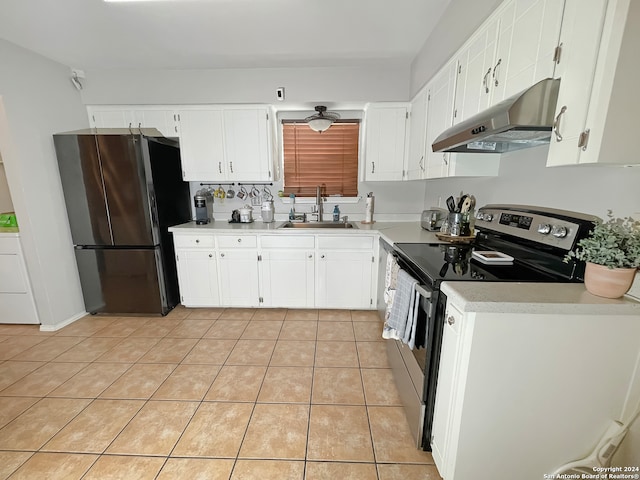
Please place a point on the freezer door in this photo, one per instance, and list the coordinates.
(127, 189)
(122, 281)
(83, 188)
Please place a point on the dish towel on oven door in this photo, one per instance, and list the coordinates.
(390, 281)
(401, 323)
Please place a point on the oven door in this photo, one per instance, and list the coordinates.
(409, 366)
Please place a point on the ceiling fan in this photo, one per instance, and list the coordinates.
(321, 120)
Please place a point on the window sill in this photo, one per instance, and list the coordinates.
(327, 200)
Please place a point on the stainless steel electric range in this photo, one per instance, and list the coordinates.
(536, 238)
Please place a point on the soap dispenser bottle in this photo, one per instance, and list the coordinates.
(336, 214)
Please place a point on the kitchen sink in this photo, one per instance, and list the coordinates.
(317, 225)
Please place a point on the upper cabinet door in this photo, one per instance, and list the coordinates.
(529, 32)
(599, 98)
(247, 144)
(385, 137)
(475, 65)
(165, 120)
(201, 146)
(416, 161)
(111, 117)
(440, 117)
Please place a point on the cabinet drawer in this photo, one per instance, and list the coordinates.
(287, 241)
(9, 245)
(237, 241)
(346, 242)
(193, 241)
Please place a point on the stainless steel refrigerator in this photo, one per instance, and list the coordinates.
(122, 192)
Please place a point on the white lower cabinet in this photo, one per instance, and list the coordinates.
(520, 385)
(16, 298)
(287, 271)
(345, 272)
(441, 431)
(238, 267)
(198, 277)
(288, 278)
(197, 270)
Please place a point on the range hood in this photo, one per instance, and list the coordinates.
(522, 121)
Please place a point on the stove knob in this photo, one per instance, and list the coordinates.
(487, 217)
(544, 228)
(559, 231)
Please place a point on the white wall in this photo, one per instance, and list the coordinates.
(6, 205)
(524, 179)
(310, 86)
(37, 100)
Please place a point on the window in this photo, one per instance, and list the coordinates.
(329, 158)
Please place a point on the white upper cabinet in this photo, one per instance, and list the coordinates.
(599, 97)
(385, 138)
(441, 94)
(527, 40)
(511, 51)
(247, 144)
(164, 119)
(201, 146)
(218, 142)
(416, 165)
(476, 61)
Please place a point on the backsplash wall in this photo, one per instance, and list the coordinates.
(524, 179)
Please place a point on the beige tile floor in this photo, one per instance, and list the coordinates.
(204, 394)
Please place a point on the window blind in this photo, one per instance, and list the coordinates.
(329, 159)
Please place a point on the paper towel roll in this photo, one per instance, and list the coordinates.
(368, 216)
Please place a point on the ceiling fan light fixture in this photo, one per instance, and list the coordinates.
(322, 120)
(320, 124)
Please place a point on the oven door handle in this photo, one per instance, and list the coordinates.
(422, 290)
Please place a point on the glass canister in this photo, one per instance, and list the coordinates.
(267, 211)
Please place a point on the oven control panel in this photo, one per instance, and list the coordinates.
(546, 226)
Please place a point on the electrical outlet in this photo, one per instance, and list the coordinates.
(280, 94)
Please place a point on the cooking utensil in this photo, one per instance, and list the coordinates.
(451, 204)
(463, 198)
(465, 204)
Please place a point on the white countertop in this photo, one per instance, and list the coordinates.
(9, 232)
(391, 232)
(551, 298)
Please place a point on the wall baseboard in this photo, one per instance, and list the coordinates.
(58, 326)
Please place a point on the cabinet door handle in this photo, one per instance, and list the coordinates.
(220, 167)
(556, 124)
(422, 163)
(495, 72)
(485, 81)
(222, 254)
(197, 240)
(210, 256)
(373, 167)
(310, 256)
(321, 256)
(451, 320)
(239, 240)
(231, 166)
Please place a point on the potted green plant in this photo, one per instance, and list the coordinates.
(612, 256)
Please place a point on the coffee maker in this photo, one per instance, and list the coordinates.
(203, 202)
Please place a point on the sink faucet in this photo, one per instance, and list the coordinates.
(319, 209)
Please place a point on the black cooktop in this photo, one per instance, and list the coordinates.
(435, 263)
